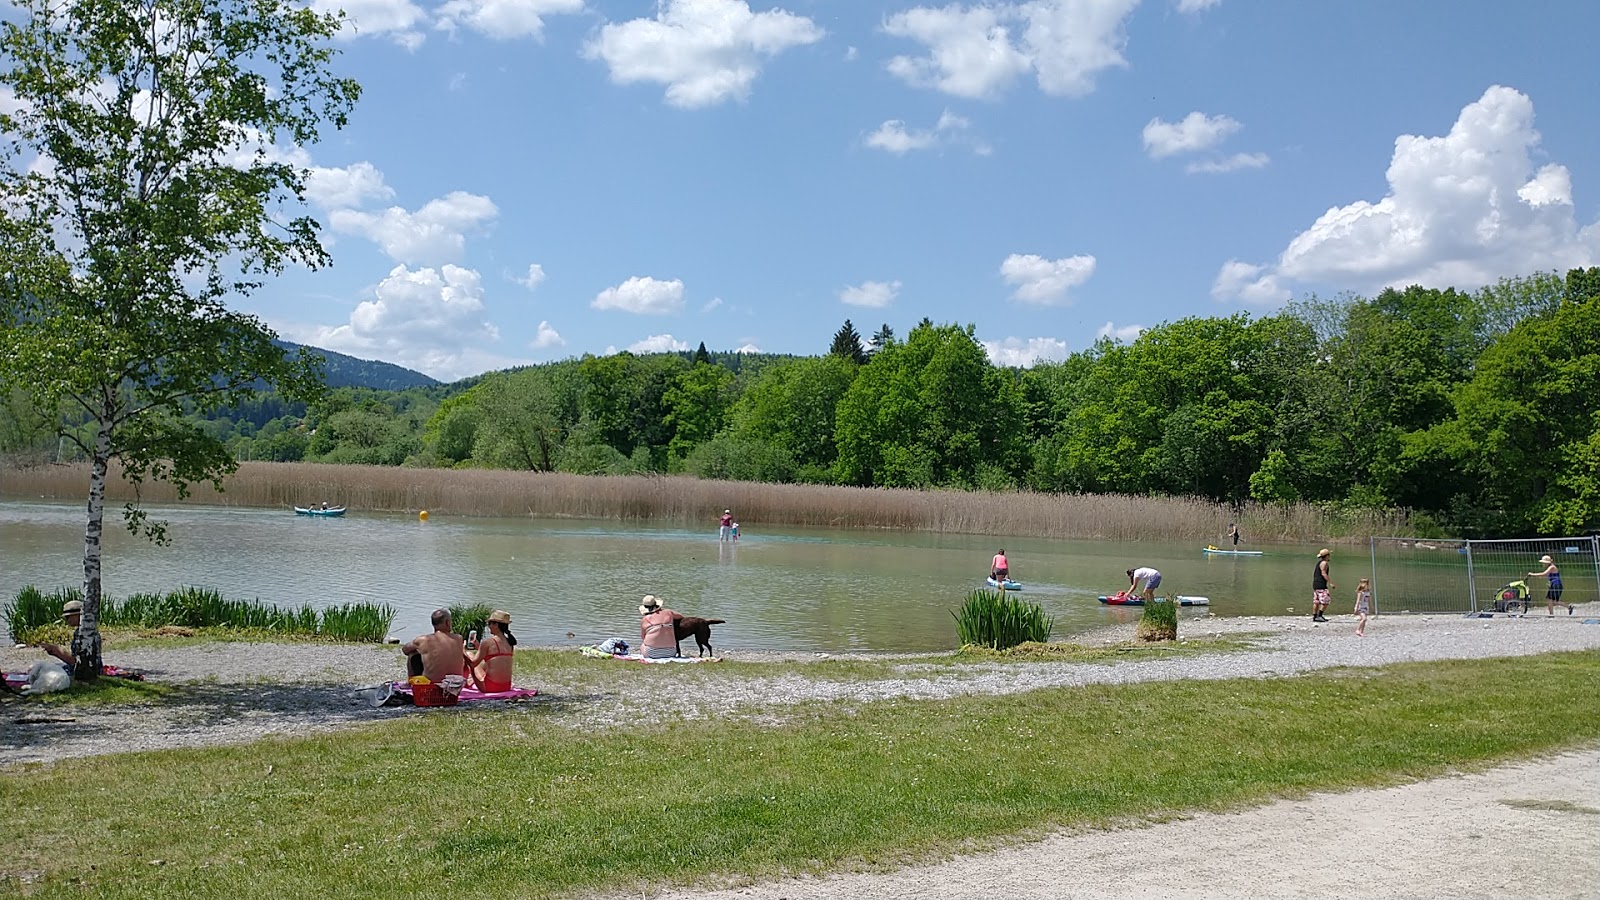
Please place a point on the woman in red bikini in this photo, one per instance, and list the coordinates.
(490, 666)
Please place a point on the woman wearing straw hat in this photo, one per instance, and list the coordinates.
(491, 664)
(1552, 594)
(658, 638)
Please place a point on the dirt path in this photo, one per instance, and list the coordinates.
(1530, 830)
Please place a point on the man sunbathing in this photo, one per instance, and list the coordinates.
(438, 653)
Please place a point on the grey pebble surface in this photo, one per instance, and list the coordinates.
(241, 692)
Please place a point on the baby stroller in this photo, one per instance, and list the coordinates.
(1513, 598)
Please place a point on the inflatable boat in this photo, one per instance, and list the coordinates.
(1009, 584)
(1136, 600)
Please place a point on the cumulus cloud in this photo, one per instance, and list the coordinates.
(1024, 352)
(1045, 281)
(428, 319)
(875, 294)
(347, 186)
(399, 20)
(645, 296)
(1119, 333)
(894, 137)
(980, 51)
(547, 337)
(433, 234)
(502, 19)
(1228, 164)
(1193, 7)
(656, 343)
(1462, 210)
(705, 51)
(1194, 132)
(534, 278)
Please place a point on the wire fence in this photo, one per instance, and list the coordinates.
(1423, 576)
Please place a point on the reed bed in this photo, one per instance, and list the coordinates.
(33, 610)
(682, 499)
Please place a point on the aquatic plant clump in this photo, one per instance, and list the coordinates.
(1159, 621)
(33, 611)
(998, 621)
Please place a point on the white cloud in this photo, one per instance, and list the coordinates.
(893, 136)
(1045, 281)
(705, 51)
(645, 296)
(398, 19)
(1023, 353)
(547, 337)
(435, 233)
(1196, 131)
(871, 293)
(1193, 7)
(347, 186)
(1462, 210)
(502, 19)
(1228, 164)
(428, 319)
(534, 278)
(711, 304)
(658, 343)
(1120, 333)
(972, 51)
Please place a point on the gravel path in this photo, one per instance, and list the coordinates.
(241, 692)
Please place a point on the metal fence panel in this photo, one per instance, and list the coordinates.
(1498, 564)
(1420, 576)
(1439, 576)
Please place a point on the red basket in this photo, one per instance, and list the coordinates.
(432, 695)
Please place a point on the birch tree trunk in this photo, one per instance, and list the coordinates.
(86, 640)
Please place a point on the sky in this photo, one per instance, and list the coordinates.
(531, 180)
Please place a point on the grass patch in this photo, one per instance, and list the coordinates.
(999, 620)
(102, 692)
(437, 799)
(1552, 806)
(1034, 651)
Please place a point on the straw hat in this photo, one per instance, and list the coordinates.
(501, 616)
(1546, 560)
(649, 605)
(1323, 552)
(72, 608)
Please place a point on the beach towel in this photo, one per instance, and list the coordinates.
(469, 694)
(597, 653)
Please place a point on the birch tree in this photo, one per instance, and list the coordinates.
(143, 186)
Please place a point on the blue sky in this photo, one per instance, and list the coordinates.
(529, 180)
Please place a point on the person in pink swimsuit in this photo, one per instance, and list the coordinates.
(490, 665)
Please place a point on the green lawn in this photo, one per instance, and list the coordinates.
(446, 801)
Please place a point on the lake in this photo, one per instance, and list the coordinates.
(567, 582)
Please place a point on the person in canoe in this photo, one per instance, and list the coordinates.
(1000, 567)
(1149, 578)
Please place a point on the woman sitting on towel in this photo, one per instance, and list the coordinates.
(658, 638)
(490, 665)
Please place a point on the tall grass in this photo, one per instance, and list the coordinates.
(1159, 621)
(465, 617)
(32, 611)
(680, 499)
(998, 621)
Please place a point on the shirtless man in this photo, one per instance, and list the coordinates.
(439, 653)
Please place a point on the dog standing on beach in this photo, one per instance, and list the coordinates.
(684, 626)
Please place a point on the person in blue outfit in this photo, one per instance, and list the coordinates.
(1552, 594)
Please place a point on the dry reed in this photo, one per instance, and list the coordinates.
(685, 500)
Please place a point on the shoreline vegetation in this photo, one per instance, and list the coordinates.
(895, 782)
(686, 499)
(34, 617)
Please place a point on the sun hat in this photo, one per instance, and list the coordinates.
(72, 608)
(1324, 552)
(649, 605)
(501, 616)
(1546, 560)
(727, 510)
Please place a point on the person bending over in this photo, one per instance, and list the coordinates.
(1150, 578)
(438, 653)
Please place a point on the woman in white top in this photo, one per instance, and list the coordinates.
(1151, 579)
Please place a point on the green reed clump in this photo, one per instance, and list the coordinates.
(32, 612)
(1159, 621)
(357, 622)
(465, 617)
(999, 620)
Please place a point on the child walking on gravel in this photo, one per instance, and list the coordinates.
(1363, 605)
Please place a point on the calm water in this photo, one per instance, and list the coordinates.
(570, 582)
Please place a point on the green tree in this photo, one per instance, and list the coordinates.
(847, 344)
(697, 407)
(137, 201)
(882, 338)
(793, 407)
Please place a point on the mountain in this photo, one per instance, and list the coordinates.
(347, 371)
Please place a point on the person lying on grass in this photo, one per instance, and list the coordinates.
(438, 653)
(490, 666)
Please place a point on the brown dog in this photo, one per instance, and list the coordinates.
(683, 626)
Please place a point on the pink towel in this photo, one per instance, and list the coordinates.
(469, 694)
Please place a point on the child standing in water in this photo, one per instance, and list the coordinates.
(1363, 605)
(736, 532)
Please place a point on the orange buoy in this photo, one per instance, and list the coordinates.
(422, 516)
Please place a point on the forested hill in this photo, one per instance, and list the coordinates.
(347, 371)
